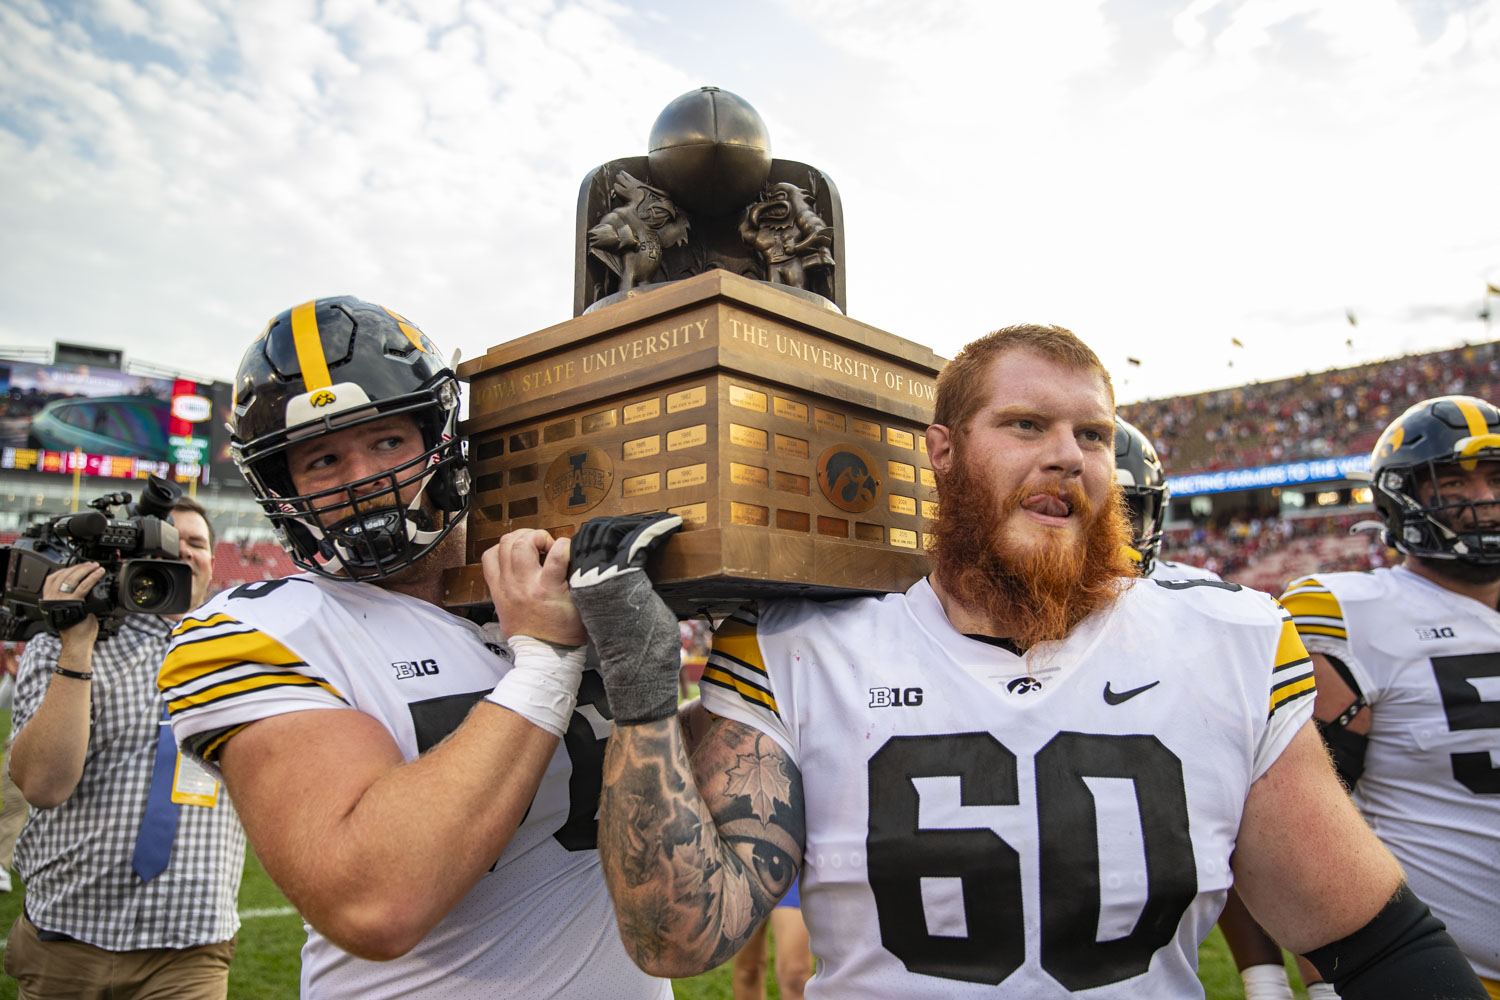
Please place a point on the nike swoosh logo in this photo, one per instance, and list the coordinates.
(1119, 698)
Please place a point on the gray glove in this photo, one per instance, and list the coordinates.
(640, 652)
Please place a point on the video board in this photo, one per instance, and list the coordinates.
(103, 422)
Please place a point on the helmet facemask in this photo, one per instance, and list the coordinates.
(1451, 528)
(363, 530)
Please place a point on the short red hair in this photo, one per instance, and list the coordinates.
(958, 385)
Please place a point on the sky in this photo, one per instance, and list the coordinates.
(1221, 190)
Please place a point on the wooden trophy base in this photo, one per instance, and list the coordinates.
(789, 438)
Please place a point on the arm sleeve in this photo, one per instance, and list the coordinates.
(736, 683)
(1320, 623)
(219, 675)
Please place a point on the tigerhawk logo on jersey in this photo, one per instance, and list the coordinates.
(414, 668)
(895, 697)
(1024, 685)
(1436, 632)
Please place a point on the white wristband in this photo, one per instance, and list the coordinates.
(1321, 991)
(542, 686)
(1266, 982)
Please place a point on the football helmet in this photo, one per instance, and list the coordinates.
(321, 368)
(1140, 476)
(1404, 472)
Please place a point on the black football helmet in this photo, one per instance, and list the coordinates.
(320, 368)
(1140, 476)
(1404, 472)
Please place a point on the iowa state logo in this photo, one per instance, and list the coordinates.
(847, 479)
(578, 479)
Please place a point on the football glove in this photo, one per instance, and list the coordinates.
(640, 652)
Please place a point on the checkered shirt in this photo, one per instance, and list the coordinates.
(75, 859)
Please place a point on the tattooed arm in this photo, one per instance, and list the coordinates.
(696, 854)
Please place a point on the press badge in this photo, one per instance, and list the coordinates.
(193, 786)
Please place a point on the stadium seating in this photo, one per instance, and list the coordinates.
(1319, 415)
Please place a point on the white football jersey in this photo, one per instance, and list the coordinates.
(1165, 569)
(1428, 662)
(540, 924)
(1056, 824)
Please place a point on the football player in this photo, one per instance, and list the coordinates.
(1408, 665)
(418, 784)
(1003, 777)
(1143, 481)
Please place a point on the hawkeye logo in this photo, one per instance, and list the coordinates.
(895, 697)
(406, 669)
(323, 398)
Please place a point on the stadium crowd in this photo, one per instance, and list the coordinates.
(1315, 415)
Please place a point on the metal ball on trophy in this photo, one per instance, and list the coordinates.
(710, 370)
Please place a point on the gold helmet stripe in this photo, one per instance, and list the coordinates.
(309, 345)
(1478, 426)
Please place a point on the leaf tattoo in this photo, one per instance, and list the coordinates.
(760, 777)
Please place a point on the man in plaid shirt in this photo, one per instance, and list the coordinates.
(103, 918)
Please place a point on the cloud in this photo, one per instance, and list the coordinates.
(1158, 177)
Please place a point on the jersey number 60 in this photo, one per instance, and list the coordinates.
(901, 854)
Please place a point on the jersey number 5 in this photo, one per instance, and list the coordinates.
(1466, 710)
(901, 854)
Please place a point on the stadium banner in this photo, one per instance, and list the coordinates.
(1318, 470)
(103, 422)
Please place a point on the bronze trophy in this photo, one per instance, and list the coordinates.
(710, 371)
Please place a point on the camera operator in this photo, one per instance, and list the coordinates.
(131, 859)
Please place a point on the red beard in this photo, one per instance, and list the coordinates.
(1037, 594)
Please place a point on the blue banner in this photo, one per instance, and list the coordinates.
(1290, 474)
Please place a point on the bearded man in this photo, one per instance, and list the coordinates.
(1031, 775)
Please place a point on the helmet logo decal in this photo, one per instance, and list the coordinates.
(845, 478)
(322, 398)
(308, 342)
(578, 479)
(1472, 446)
(1390, 441)
(417, 338)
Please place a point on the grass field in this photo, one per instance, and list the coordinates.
(266, 960)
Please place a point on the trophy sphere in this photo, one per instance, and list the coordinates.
(711, 150)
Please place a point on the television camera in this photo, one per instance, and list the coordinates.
(139, 554)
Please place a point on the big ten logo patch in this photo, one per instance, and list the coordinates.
(578, 479)
(414, 668)
(1436, 632)
(884, 697)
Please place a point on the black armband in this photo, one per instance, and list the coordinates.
(1403, 952)
(1346, 748)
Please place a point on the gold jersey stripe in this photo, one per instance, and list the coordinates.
(737, 641)
(245, 685)
(1289, 649)
(1332, 631)
(1284, 694)
(1305, 583)
(1316, 604)
(1491, 986)
(723, 678)
(188, 661)
(211, 751)
(309, 345)
(188, 624)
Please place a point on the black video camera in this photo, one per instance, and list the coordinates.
(142, 574)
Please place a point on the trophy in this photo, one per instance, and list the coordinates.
(710, 371)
